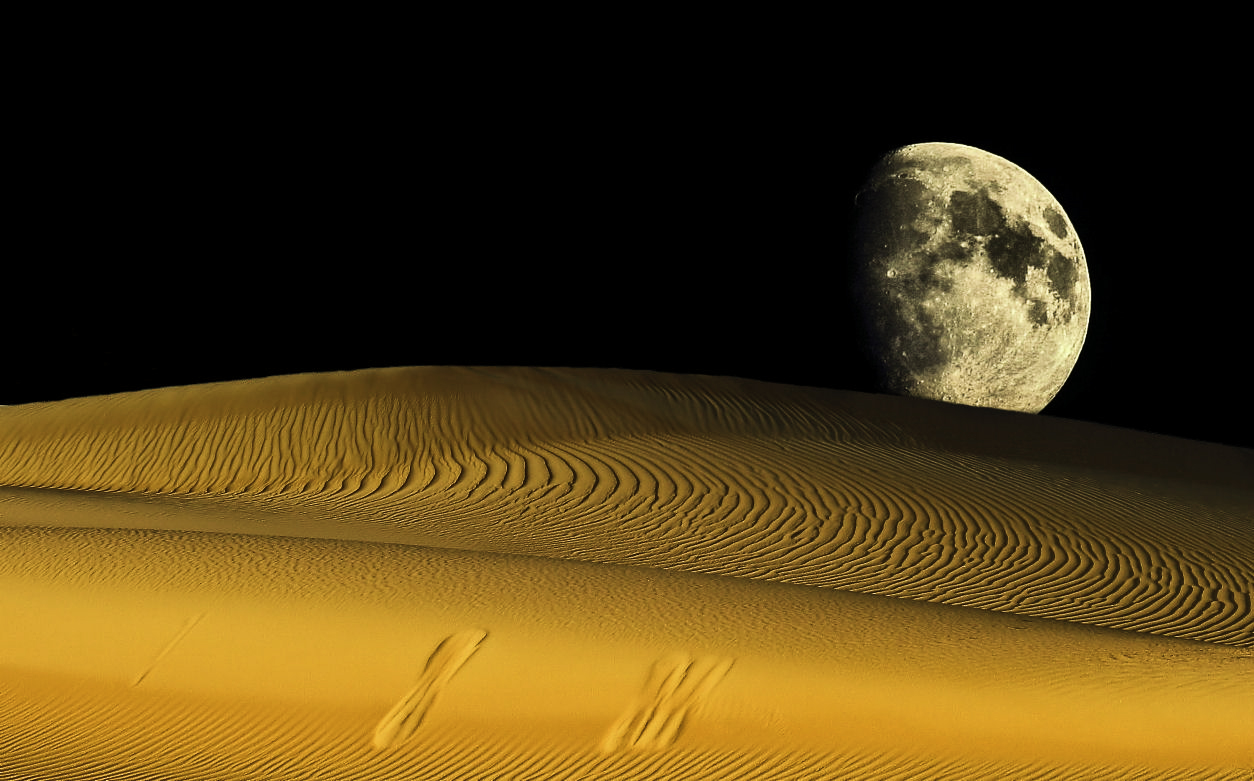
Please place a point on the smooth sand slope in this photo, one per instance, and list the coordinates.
(521, 573)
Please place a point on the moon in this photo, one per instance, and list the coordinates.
(972, 283)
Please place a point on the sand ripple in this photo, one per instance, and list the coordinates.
(400, 573)
(712, 475)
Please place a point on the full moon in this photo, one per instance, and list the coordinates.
(971, 279)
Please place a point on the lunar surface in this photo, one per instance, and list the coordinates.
(973, 282)
(455, 573)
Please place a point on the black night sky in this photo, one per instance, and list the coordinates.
(185, 229)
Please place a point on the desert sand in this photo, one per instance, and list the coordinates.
(454, 573)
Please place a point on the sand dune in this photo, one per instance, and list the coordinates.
(524, 573)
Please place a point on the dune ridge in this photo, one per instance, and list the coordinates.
(836, 584)
(702, 474)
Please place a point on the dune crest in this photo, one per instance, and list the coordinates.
(614, 574)
(702, 474)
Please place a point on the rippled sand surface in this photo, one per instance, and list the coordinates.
(527, 573)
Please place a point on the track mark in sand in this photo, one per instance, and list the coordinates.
(188, 625)
(407, 715)
(676, 685)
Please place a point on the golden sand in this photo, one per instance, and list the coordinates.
(521, 573)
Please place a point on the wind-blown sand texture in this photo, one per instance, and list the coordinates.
(445, 573)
